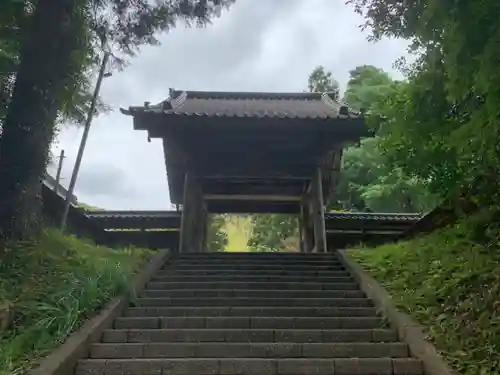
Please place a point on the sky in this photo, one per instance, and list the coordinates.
(257, 45)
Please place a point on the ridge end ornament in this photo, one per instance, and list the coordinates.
(330, 102)
(173, 103)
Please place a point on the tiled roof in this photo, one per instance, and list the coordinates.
(372, 216)
(132, 214)
(249, 104)
(50, 183)
(145, 215)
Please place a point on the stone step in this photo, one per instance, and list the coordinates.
(211, 311)
(250, 273)
(250, 314)
(251, 255)
(255, 263)
(253, 277)
(268, 259)
(257, 256)
(249, 293)
(249, 350)
(252, 302)
(254, 285)
(249, 335)
(253, 322)
(250, 366)
(330, 266)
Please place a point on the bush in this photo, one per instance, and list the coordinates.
(449, 281)
(54, 285)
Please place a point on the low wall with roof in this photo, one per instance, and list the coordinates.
(160, 229)
(81, 224)
(346, 229)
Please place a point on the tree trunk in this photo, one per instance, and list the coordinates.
(28, 129)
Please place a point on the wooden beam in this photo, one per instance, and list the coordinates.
(252, 207)
(270, 161)
(253, 169)
(343, 129)
(230, 189)
(240, 177)
(242, 197)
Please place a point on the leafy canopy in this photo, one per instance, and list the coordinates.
(446, 115)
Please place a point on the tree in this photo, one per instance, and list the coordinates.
(367, 85)
(76, 95)
(321, 81)
(271, 231)
(59, 36)
(444, 121)
(369, 180)
(217, 236)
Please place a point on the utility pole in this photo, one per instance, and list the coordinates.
(83, 142)
(59, 168)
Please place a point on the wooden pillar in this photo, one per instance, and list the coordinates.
(206, 223)
(196, 247)
(191, 235)
(301, 231)
(307, 236)
(187, 214)
(318, 212)
(201, 214)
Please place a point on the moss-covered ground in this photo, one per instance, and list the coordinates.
(449, 281)
(51, 287)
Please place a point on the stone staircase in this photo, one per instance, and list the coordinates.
(250, 314)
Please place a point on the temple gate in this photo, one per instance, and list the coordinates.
(245, 152)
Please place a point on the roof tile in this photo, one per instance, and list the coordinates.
(245, 104)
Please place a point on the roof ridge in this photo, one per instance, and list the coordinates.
(247, 95)
(312, 105)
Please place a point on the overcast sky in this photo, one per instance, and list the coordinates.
(258, 45)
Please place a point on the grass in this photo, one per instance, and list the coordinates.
(53, 286)
(449, 281)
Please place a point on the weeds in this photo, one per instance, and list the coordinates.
(449, 282)
(53, 286)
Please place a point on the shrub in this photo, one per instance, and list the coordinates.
(54, 285)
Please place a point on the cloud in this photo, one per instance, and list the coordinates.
(258, 45)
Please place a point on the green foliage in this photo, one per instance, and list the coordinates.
(217, 236)
(370, 180)
(52, 81)
(449, 282)
(88, 207)
(126, 25)
(270, 231)
(15, 17)
(321, 81)
(367, 86)
(53, 286)
(442, 124)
